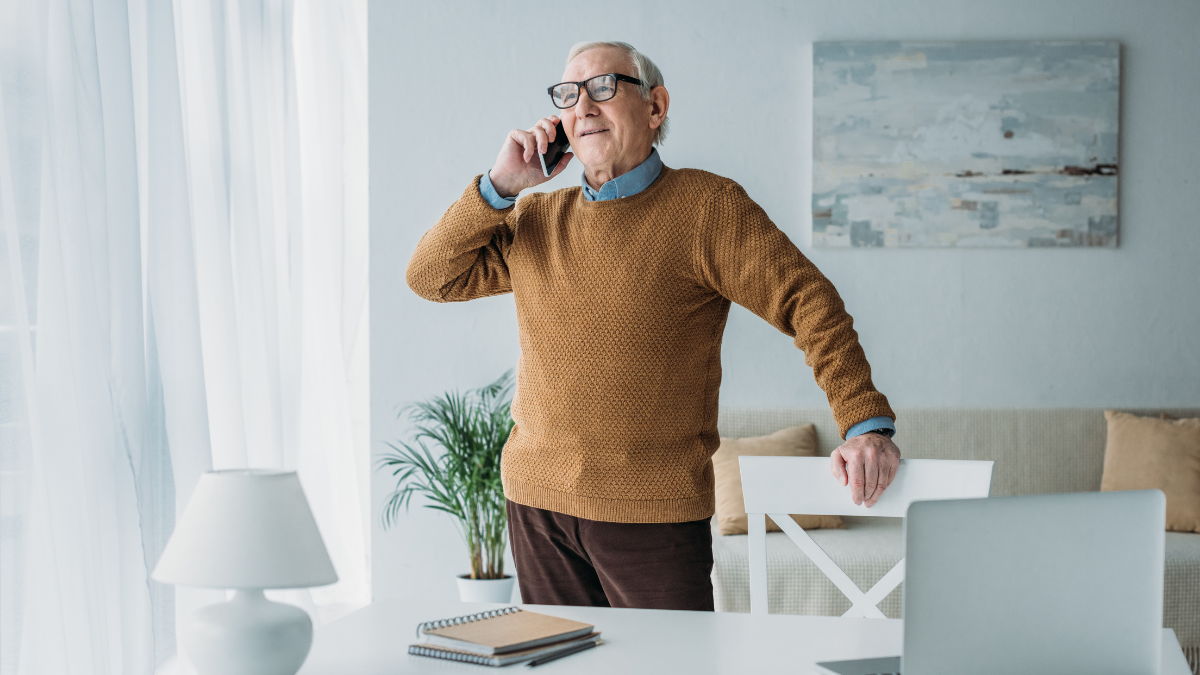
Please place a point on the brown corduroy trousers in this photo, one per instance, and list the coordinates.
(564, 560)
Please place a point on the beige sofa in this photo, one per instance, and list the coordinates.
(1037, 451)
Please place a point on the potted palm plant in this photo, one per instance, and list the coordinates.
(461, 478)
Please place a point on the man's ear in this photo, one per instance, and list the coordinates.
(660, 101)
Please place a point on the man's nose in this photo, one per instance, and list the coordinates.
(585, 106)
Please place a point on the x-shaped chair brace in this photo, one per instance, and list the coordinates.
(863, 604)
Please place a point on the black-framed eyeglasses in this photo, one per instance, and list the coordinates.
(599, 88)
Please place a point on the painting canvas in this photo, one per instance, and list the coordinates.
(965, 144)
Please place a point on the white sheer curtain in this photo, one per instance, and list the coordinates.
(183, 286)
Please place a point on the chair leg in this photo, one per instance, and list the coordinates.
(757, 526)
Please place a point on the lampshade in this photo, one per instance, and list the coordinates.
(246, 528)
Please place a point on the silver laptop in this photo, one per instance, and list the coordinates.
(1055, 584)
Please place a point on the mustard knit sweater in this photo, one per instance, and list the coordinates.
(621, 306)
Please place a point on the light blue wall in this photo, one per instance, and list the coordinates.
(965, 328)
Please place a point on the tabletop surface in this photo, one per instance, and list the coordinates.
(374, 641)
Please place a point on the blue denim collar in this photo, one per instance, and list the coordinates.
(627, 184)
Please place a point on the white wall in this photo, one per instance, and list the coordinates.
(963, 328)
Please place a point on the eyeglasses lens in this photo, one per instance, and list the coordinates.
(602, 88)
(565, 95)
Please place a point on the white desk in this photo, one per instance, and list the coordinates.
(374, 641)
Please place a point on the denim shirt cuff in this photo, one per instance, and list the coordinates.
(870, 425)
(489, 194)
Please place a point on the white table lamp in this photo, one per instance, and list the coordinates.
(247, 529)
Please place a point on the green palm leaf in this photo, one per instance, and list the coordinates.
(463, 479)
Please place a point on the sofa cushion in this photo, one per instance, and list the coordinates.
(798, 441)
(1147, 453)
(869, 547)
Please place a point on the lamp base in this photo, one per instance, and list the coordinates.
(249, 635)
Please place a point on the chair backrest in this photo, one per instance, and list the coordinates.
(777, 486)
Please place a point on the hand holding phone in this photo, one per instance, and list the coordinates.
(517, 169)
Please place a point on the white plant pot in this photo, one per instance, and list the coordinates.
(485, 590)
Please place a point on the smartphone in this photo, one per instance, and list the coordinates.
(555, 150)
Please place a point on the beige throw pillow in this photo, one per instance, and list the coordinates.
(1147, 453)
(731, 506)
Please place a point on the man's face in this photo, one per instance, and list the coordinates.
(612, 133)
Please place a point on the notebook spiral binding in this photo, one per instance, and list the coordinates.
(466, 618)
(451, 656)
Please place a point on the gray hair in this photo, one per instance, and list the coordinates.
(647, 72)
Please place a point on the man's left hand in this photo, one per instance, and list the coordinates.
(868, 462)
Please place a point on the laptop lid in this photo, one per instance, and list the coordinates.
(1053, 584)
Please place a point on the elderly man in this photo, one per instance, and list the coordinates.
(622, 287)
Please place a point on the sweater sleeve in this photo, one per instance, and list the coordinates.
(463, 256)
(742, 255)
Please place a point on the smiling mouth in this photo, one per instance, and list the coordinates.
(594, 131)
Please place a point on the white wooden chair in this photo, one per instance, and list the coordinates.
(777, 486)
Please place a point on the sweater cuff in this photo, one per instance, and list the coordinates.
(870, 425)
(489, 194)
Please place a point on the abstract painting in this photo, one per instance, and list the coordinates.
(965, 144)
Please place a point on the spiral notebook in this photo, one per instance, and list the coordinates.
(500, 631)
